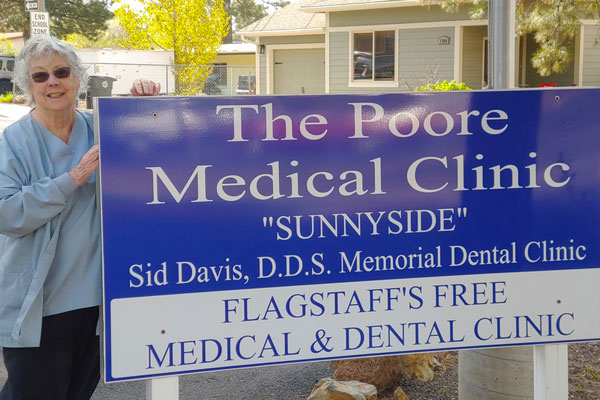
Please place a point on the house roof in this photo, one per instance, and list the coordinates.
(11, 35)
(237, 48)
(308, 16)
(288, 20)
(348, 5)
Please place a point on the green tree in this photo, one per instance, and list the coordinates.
(276, 3)
(192, 29)
(85, 17)
(245, 12)
(112, 37)
(554, 24)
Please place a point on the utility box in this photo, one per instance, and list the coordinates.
(98, 86)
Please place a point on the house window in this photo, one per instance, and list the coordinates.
(374, 56)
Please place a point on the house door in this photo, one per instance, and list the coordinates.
(299, 71)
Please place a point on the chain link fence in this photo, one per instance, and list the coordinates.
(217, 80)
(175, 80)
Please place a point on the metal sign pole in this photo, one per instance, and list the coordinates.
(501, 33)
(484, 372)
(549, 365)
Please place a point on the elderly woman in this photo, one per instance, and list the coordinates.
(50, 266)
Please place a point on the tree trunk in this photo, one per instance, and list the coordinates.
(229, 37)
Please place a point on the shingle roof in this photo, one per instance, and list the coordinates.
(288, 19)
(330, 5)
(307, 16)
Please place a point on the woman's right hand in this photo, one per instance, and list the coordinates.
(86, 167)
(144, 87)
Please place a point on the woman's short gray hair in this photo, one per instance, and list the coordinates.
(43, 46)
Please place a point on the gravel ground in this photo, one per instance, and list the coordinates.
(443, 387)
(287, 382)
(295, 381)
(284, 382)
(584, 377)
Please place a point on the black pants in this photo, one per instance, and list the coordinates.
(66, 366)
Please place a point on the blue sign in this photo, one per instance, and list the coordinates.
(364, 225)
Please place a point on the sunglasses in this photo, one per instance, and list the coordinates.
(61, 73)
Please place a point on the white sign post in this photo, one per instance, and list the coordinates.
(40, 23)
(162, 388)
(551, 372)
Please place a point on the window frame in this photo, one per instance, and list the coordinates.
(484, 62)
(371, 82)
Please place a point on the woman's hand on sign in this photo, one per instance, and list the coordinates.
(86, 167)
(144, 87)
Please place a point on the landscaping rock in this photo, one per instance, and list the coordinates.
(386, 372)
(382, 372)
(330, 389)
(399, 394)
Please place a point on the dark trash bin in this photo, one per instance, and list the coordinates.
(98, 86)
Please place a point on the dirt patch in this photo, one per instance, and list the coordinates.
(584, 377)
(442, 387)
(584, 371)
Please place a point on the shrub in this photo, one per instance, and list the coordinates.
(6, 98)
(443, 86)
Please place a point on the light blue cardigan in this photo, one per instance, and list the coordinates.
(31, 201)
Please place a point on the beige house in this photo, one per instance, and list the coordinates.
(234, 68)
(233, 61)
(377, 46)
(16, 39)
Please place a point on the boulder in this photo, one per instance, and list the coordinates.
(386, 372)
(330, 389)
(382, 372)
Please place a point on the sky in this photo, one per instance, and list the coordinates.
(133, 3)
